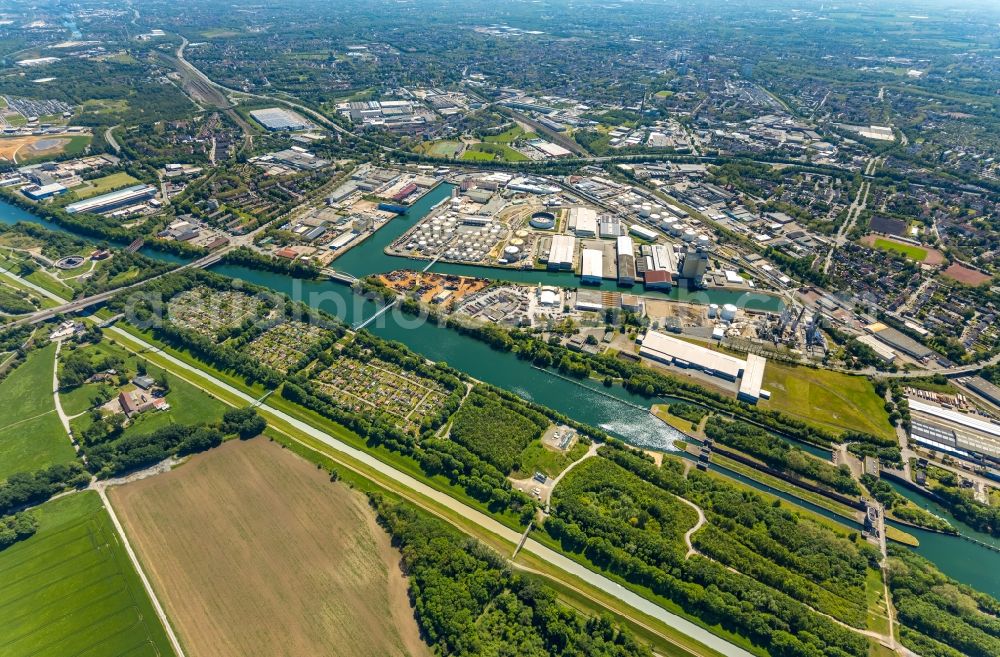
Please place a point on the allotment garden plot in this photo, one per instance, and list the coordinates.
(212, 312)
(283, 347)
(378, 385)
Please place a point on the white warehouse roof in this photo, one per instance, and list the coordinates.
(593, 265)
(643, 232)
(753, 378)
(685, 354)
(584, 221)
(561, 251)
(625, 245)
(956, 417)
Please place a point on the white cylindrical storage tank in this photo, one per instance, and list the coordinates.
(729, 312)
(654, 217)
(704, 243)
(645, 210)
(688, 236)
(675, 228)
(713, 310)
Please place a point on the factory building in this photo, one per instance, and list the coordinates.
(672, 351)
(583, 221)
(753, 377)
(951, 431)
(108, 202)
(881, 350)
(657, 279)
(982, 387)
(561, 252)
(276, 118)
(626, 261)
(899, 341)
(695, 265)
(592, 266)
(609, 227)
(38, 193)
(642, 233)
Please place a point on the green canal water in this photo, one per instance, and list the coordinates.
(613, 409)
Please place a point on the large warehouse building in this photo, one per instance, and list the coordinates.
(108, 202)
(673, 351)
(626, 261)
(583, 221)
(592, 266)
(561, 252)
(947, 430)
(276, 118)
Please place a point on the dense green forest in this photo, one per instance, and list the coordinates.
(623, 514)
(468, 602)
(780, 454)
(496, 431)
(941, 618)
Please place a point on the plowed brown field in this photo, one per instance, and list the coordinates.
(253, 551)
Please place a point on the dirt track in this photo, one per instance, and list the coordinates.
(254, 552)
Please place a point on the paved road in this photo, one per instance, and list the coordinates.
(552, 557)
(80, 304)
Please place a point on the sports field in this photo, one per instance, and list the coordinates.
(31, 436)
(286, 548)
(71, 590)
(829, 400)
(909, 250)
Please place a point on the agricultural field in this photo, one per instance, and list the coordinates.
(104, 184)
(326, 575)
(284, 347)
(826, 399)
(31, 436)
(71, 590)
(379, 386)
(210, 312)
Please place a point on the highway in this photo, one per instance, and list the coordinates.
(553, 558)
(93, 300)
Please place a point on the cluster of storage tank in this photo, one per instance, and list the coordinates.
(726, 313)
(659, 217)
(460, 242)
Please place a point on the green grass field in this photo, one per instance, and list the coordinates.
(441, 148)
(510, 135)
(104, 184)
(493, 153)
(71, 590)
(910, 251)
(826, 399)
(31, 436)
(536, 457)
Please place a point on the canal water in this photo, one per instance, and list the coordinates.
(613, 409)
